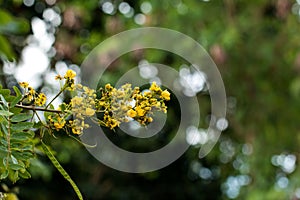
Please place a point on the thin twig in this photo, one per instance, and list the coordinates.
(57, 95)
(34, 108)
(37, 108)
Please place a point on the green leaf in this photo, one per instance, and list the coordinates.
(25, 174)
(4, 174)
(17, 91)
(15, 101)
(51, 106)
(15, 110)
(18, 148)
(25, 155)
(3, 151)
(5, 92)
(15, 176)
(13, 159)
(21, 117)
(4, 161)
(46, 114)
(30, 134)
(3, 100)
(19, 136)
(3, 141)
(2, 155)
(17, 98)
(16, 166)
(20, 126)
(4, 129)
(5, 113)
(3, 120)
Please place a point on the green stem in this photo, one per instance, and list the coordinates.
(8, 140)
(57, 95)
(37, 108)
(32, 107)
(61, 170)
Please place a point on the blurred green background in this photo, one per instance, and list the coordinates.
(256, 46)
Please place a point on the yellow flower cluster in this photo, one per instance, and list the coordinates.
(57, 121)
(31, 95)
(114, 103)
(40, 100)
(70, 74)
(82, 106)
(69, 79)
(146, 102)
(24, 84)
(114, 107)
(121, 104)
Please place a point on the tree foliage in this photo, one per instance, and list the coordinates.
(256, 47)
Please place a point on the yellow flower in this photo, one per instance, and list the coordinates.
(70, 74)
(76, 131)
(41, 99)
(57, 121)
(150, 119)
(71, 87)
(31, 93)
(89, 112)
(147, 93)
(140, 111)
(76, 101)
(108, 86)
(88, 91)
(165, 95)
(58, 125)
(31, 90)
(84, 125)
(75, 126)
(114, 123)
(24, 84)
(147, 108)
(154, 87)
(101, 103)
(131, 113)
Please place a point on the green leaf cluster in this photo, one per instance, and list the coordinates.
(16, 137)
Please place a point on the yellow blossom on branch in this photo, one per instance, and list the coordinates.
(165, 95)
(131, 113)
(119, 103)
(154, 87)
(40, 100)
(113, 107)
(89, 111)
(57, 121)
(70, 74)
(140, 111)
(24, 84)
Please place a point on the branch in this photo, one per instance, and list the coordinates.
(37, 108)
